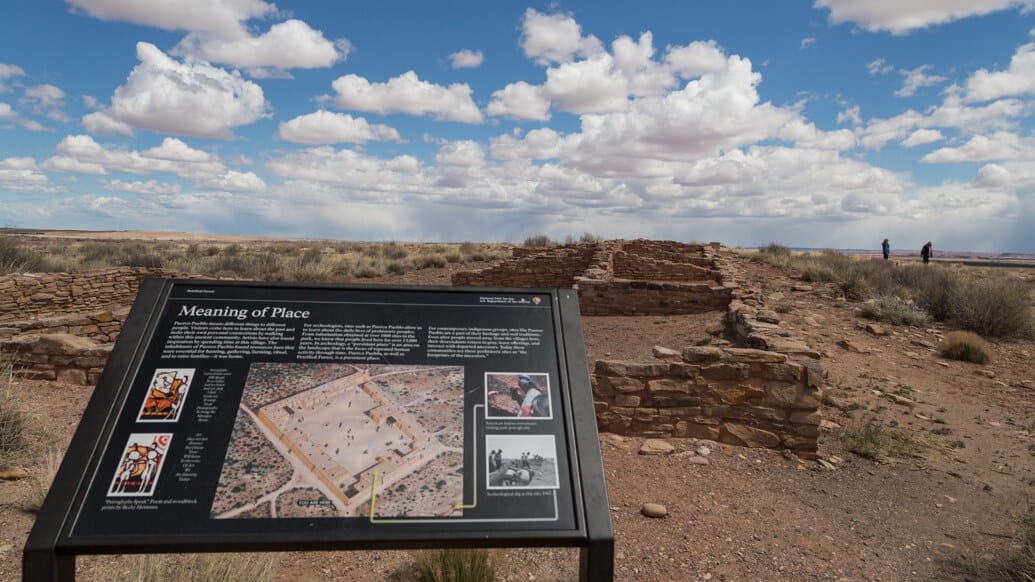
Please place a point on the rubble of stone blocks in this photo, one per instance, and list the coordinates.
(57, 356)
(739, 396)
(750, 318)
(618, 277)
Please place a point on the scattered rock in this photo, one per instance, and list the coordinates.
(13, 473)
(617, 441)
(802, 288)
(655, 510)
(703, 451)
(768, 317)
(943, 364)
(900, 399)
(810, 321)
(828, 425)
(852, 346)
(949, 498)
(876, 329)
(985, 373)
(695, 460)
(663, 353)
(827, 465)
(924, 344)
(656, 447)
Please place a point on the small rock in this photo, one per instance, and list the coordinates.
(923, 344)
(703, 451)
(913, 355)
(876, 330)
(663, 353)
(13, 473)
(768, 317)
(949, 498)
(852, 346)
(656, 447)
(943, 364)
(802, 288)
(826, 464)
(986, 373)
(900, 399)
(698, 461)
(828, 425)
(810, 321)
(655, 510)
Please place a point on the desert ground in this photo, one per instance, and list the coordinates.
(945, 503)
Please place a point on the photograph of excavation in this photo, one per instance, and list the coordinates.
(311, 440)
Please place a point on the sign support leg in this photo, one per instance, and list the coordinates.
(597, 561)
(46, 565)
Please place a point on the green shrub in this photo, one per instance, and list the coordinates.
(872, 440)
(456, 565)
(539, 240)
(895, 310)
(427, 261)
(776, 249)
(965, 346)
(16, 258)
(454, 257)
(993, 307)
(147, 260)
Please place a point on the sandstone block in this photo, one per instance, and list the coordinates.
(680, 370)
(752, 355)
(663, 353)
(656, 447)
(747, 436)
(681, 411)
(781, 372)
(805, 417)
(725, 371)
(702, 354)
(620, 368)
(686, 429)
(660, 401)
(627, 400)
(626, 384)
(599, 406)
(738, 395)
(668, 385)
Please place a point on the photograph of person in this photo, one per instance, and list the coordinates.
(518, 395)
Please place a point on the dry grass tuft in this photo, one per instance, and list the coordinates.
(14, 425)
(896, 311)
(965, 346)
(456, 565)
(872, 440)
(42, 481)
(208, 567)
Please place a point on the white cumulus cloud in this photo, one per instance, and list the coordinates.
(325, 127)
(466, 59)
(555, 38)
(915, 79)
(186, 98)
(101, 123)
(899, 17)
(520, 101)
(142, 187)
(23, 175)
(922, 137)
(999, 146)
(291, 44)
(8, 71)
(408, 94)
(1018, 79)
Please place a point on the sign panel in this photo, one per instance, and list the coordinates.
(344, 412)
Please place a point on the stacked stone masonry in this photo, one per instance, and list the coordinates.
(737, 396)
(27, 296)
(618, 277)
(61, 326)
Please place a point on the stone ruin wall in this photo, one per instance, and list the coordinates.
(545, 268)
(736, 396)
(617, 277)
(28, 296)
(44, 342)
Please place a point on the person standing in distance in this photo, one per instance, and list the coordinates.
(927, 252)
(885, 248)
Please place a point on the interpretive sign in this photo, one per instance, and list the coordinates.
(246, 416)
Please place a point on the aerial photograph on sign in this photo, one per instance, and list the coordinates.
(313, 440)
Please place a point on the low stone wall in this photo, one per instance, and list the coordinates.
(737, 396)
(28, 296)
(102, 326)
(62, 357)
(633, 266)
(598, 297)
(556, 267)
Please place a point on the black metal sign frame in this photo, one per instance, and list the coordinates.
(55, 541)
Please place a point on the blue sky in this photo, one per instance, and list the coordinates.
(813, 123)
